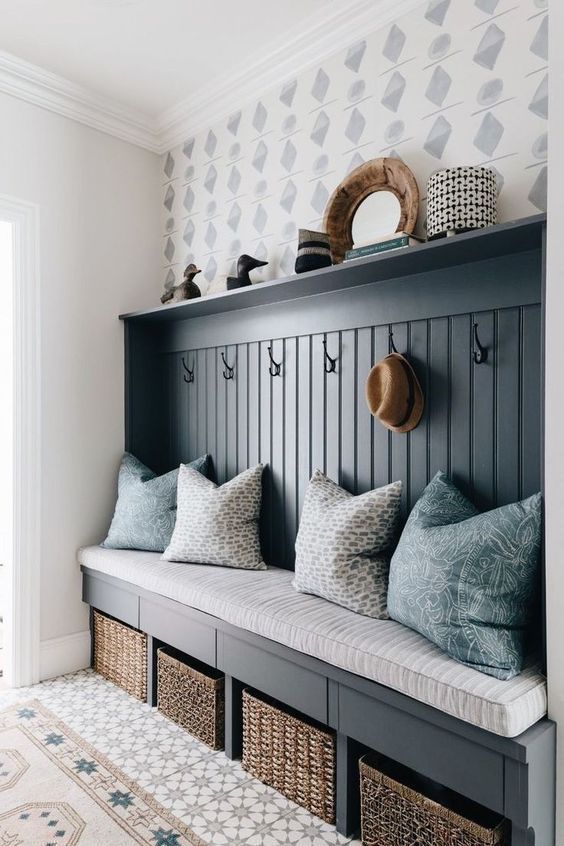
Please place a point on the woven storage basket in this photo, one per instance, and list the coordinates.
(120, 655)
(192, 698)
(394, 814)
(289, 754)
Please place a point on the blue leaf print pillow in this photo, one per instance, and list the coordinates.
(467, 580)
(145, 511)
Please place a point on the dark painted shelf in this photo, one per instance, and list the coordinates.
(496, 241)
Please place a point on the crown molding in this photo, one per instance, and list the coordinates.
(329, 30)
(321, 35)
(42, 88)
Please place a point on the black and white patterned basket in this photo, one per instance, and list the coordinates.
(460, 199)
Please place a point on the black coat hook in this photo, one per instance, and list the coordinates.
(480, 354)
(228, 371)
(330, 364)
(392, 346)
(274, 367)
(189, 375)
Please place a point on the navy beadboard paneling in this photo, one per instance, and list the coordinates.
(481, 422)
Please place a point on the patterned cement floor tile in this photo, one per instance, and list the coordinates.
(298, 828)
(238, 815)
(211, 794)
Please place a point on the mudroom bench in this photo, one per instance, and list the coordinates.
(380, 686)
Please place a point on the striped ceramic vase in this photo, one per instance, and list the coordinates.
(314, 251)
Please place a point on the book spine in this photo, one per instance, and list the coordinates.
(373, 249)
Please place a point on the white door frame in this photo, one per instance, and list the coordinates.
(21, 621)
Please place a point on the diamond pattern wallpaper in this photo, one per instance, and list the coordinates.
(454, 82)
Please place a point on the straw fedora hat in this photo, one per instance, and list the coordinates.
(393, 394)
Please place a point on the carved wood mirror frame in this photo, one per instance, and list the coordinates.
(385, 174)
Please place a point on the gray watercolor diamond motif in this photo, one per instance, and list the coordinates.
(489, 134)
(288, 197)
(234, 180)
(394, 92)
(210, 236)
(289, 92)
(394, 44)
(189, 199)
(188, 234)
(489, 48)
(288, 158)
(233, 123)
(211, 143)
(438, 137)
(169, 165)
(320, 86)
(210, 179)
(234, 217)
(259, 117)
(169, 197)
(439, 86)
(319, 198)
(436, 11)
(259, 158)
(355, 126)
(355, 55)
(260, 218)
(169, 250)
(320, 128)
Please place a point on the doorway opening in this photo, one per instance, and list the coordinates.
(6, 431)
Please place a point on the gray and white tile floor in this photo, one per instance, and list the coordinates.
(214, 796)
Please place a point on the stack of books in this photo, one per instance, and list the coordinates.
(397, 241)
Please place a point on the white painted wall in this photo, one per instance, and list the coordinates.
(555, 404)
(98, 257)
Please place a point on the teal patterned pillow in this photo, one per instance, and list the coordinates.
(145, 512)
(466, 580)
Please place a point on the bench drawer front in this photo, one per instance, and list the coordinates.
(179, 629)
(112, 600)
(295, 686)
(473, 771)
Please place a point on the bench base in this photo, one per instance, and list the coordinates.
(514, 777)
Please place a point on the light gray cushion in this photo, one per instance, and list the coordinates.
(381, 650)
(466, 580)
(218, 525)
(145, 511)
(342, 548)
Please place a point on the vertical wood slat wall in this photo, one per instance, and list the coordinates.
(481, 423)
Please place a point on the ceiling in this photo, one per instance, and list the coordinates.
(149, 54)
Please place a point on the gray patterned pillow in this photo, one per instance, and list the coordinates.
(466, 580)
(146, 508)
(218, 525)
(342, 544)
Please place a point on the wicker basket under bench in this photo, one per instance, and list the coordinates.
(120, 654)
(290, 754)
(192, 696)
(396, 810)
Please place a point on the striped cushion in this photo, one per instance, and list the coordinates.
(381, 650)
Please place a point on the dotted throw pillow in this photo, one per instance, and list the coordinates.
(146, 508)
(466, 580)
(218, 525)
(342, 544)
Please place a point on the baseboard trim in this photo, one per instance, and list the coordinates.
(60, 655)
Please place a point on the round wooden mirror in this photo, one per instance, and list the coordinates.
(398, 209)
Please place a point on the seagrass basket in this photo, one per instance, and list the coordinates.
(290, 754)
(192, 698)
(394, 814)
(120, 655)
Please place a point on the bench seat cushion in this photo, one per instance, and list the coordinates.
(384, 651)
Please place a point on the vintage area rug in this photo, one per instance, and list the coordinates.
(56, 790)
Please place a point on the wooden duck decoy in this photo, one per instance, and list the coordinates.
(245, 264)
(187, 290)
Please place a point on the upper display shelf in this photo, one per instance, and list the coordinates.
(505, 238)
